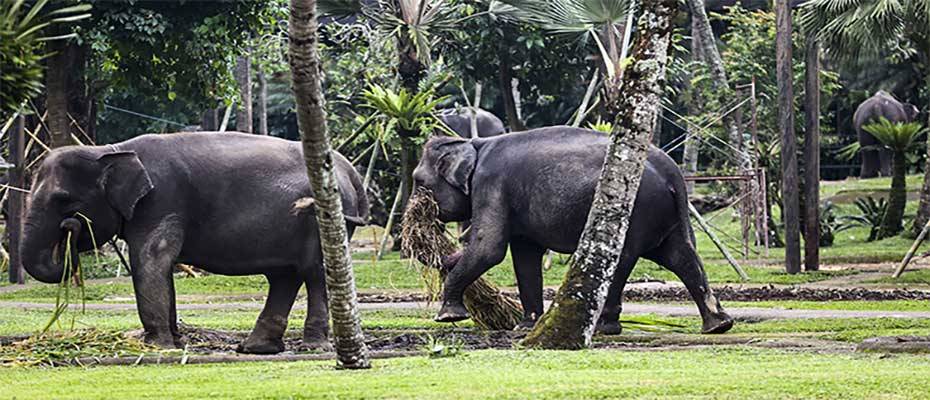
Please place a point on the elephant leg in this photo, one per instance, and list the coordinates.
(609, 321)
(316, 326)
(487, 246)
(268, 335)
(679, 256)
(884, 160)
(152, 255)
(870, 164)
(527, 266)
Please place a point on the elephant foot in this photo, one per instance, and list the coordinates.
(526, 325)
(319, 345)
(452, 312)
(261, 346)
(717, 324)
(608, 328)
(163, 341)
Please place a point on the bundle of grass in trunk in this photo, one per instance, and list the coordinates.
(424, 239)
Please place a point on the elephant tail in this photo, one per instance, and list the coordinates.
(680, 191)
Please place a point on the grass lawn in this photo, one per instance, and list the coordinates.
(699, 373)
(891, 305)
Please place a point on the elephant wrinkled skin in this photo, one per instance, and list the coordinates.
(532, 191)
(225, 202)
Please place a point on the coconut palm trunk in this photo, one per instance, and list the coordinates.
(923, 208)
(812, 157)
(709, 54)
(791, 209)
(570, 321)
(244, 79)
(306, 73)
(897, 198)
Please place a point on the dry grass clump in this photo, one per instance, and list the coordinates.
(65, 348)
(424, 239)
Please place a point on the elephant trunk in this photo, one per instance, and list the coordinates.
(44, 246)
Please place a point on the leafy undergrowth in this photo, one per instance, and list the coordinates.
(698, 373)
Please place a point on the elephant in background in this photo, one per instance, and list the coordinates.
(460, 120)
(230, 203)
(542, 202)
(877, 162)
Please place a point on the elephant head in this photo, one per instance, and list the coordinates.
(71, 186)
(910, 111)
(446, 169)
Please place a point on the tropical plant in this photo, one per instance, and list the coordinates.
(895, 29)
(22, 36)
(871, 214)
(413, 113)
(900, 138)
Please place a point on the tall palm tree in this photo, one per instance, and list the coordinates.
(789, 158)
(899, 138)
(569, 322)
(850, 29)
(304, 60)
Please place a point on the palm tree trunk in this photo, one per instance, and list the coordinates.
(318, 154)
(570, 321)
(701, 27)
(262, 103)
(923, 209)
(789, 155)
(897, 198)
(505, 76)
(244, 78)
(56, 84)
(812, 157)
(691, 150)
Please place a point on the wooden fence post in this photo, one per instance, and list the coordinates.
(14, 225)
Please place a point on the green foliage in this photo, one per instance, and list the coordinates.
(899, 137)
(871, 213)
(22, 35)
(601, 126)
(411, 112)
(437, 348)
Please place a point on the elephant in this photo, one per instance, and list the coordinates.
(230, 203)
(460, 120)
(542, 202)
(882, 104)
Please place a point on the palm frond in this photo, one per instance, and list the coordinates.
(895, 136)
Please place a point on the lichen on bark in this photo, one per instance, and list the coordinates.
(307, 79)
(570, 322)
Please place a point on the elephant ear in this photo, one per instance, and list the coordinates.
(125, 181)
(456, 163)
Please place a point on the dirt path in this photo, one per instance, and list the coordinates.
(628, 308)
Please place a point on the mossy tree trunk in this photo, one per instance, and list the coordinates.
(307, 78)
(570, 321)
(897, 198)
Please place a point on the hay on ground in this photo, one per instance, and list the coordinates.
(424, 239)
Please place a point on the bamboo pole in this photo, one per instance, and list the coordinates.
(713, 237)
(14, 223)
(910, 253)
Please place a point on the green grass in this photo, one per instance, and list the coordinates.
(916, 276)
(18, 321)
(729, 373)
(842, 329)
(891, 305)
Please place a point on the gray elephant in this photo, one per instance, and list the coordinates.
(542, 202)
(882, 104)
(230, 203)
(460, 121)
